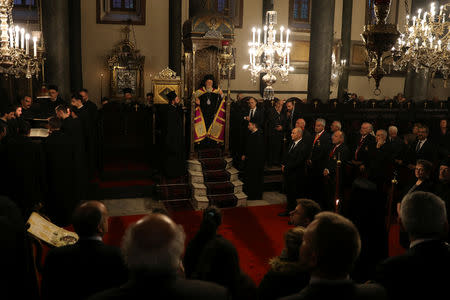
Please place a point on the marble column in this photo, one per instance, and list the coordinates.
(321, 47)
(55, 22)
(76, 71)
(346, 38)
(175, 36)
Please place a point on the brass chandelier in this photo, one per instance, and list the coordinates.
(19, 55)
(425, 42)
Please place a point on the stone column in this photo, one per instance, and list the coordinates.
(267, 5)
(346, 38)
(76, 71)
(175, 36)
(55, 21)
(321, 47)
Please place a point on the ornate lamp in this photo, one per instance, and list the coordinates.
(379, 39)
(269, 57)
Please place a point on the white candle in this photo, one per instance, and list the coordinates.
(11, 37)
(22, 38)
(265, 34)
(281, 34)
(17, 36)
(259, 36)
(27, 45)
(419, 12)
(287, 37)
(254, 31)
(439, 45)
(442, 8)
(34, 46)
(414, 21)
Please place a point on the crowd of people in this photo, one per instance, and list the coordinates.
(318, 261)
(50, 172)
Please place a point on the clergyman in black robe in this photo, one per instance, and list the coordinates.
(59, 152)
(254, 162)
(175, 161)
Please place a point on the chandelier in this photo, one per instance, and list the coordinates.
(378, 39)
(425, 43)
(269, 57)
(18, 49)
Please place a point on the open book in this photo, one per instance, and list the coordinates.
(48, 232)
(39, 132)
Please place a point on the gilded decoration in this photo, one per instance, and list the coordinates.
(126, 67)
(165, 82)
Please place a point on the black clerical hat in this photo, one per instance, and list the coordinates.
(127, 90)
(171, 95)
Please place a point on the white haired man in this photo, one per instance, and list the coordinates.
(152, 249)
(422, 272)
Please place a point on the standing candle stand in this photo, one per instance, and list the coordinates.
(226, 64)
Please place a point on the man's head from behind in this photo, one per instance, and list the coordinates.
(300, 123)
(90, 219)
(154, 244)
(423, 216)
(330, 247)
(304, 212)
(338, 137)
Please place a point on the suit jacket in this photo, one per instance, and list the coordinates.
(341, 153)
(89, 266)
(362, 148)
(427, 151)
(274, 119)
(258, 116)
(380, 163)
(290, 121)
(420, 273)
(342, 290)
(320, 151)
(161, 286)
(295, 161)
(254, 150)
(398, 147)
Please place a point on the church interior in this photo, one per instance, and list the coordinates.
(199, 149)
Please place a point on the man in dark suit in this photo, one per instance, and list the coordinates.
(152, 248)
(88, 266)
(254, 113)
(175, 161)
(59, 157)
(292, 115)
(301, 123)
(320, 151)
(442, 188)
(339, 152)
(275, 126)
(397, 144)
(365, 142)
(422, 272)
(423, 148)
(254, 162)
(330, 266)
(294, 169)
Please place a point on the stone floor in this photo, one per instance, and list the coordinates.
(139, 206)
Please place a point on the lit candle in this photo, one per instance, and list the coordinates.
(17, 36)
(27, 45)
(254, 31)
(259, 36)
(22, 38)
(287, 37)
(281, 34)
(417, 42)
(442, 8)
(414, 21)
(34, 46)
(439, 45)
(431, 42)
(419, 12)
(11, 37)
(265, 34)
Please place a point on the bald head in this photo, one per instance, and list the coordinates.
(338, 137)
(296, 134)
(90, 219)
(154, 243)
(300, 123)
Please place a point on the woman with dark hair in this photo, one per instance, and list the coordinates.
(212, 218)
(286, 275)
(219, 263)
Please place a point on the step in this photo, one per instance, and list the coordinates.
(196, 165)
(173, 191)
(216, 176)
(209, 153)
(242, 199)
(195, 176)
(223, 201)
(199, 189)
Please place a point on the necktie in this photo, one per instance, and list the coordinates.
(419, 144)
(251, 113)
(292, 147)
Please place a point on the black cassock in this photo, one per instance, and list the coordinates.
(209, 103)
(275, 136)
(60, 167)
(254, 165)
(25, 167)
(174, 165)
(89, 139)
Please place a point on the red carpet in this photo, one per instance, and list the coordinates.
(257, 232)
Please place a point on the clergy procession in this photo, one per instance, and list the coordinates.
(224, 149)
